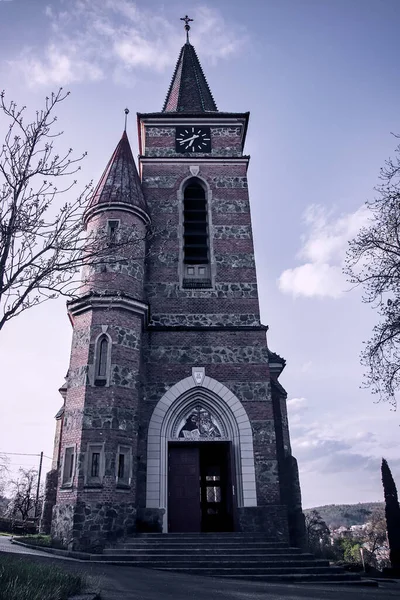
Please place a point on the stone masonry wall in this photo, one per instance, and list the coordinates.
(218, 328)
(50, 497)
(106, 414)
(91, 512)
(178, 337)
(122, 268)
(225, 141)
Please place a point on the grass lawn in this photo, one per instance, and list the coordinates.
(21, 579)
(36, 540)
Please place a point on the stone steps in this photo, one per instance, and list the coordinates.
(346, 578)
(204, 536)
(227, 555)
(216, 571)
(217, 547)
(199, 561)
(215, 555)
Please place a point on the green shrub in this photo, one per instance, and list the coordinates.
(351, 550)
(21, 579)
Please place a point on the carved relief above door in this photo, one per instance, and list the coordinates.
(200, 424)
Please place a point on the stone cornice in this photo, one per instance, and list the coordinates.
(93, 302)
(234, 160)
(206, 328)
(99, 208)
(185, 118)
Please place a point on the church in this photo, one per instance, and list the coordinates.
(173, 417)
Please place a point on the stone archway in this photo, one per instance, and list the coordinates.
(213, 396)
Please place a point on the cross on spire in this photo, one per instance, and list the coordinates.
(187, 26)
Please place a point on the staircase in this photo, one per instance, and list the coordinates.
(233, 555)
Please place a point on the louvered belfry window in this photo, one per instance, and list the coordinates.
(195, 233)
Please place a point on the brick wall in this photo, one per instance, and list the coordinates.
(218, 328)
(87, 513)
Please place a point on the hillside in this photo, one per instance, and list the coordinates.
(336, 515)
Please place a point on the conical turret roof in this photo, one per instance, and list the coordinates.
(120, 182)
(189, 91)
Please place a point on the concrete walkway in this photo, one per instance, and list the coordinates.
(130, 583)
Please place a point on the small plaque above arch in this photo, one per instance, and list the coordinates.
(199, 423)
(198, 374)
(194, 170)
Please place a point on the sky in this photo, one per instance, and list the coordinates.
(320, 79)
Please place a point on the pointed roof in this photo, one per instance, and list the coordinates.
(120, 182)
(189, 91)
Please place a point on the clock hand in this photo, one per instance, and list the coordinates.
(188, 139)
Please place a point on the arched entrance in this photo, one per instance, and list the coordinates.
(200, 462)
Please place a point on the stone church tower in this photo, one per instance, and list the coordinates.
(173, 418)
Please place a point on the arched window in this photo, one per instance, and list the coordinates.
(102, 360)
(196, 252)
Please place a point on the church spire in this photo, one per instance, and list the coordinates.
(189, 91)
(120, 184)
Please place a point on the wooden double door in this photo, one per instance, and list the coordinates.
(200, 487)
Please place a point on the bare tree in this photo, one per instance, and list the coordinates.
(43, 245)
(374, 534)
(23, 494)
(373, 262)
(317, 531)
(373, 538)
(4, 472)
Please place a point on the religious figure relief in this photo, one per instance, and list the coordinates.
(190, 430)
(200, 424)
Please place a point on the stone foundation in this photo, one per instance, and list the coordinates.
(297, 527)
(149, 520)
(271, 519)
(90, 527)
(50, 497)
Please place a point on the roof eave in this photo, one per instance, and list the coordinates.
(204, 114)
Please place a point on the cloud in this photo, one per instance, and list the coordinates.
(297, 405)
(60, 68)
(314, 449)
(336, 446)
(323, 250)
(339, 453)
(352, 461)
(99, 38)
(313, 280)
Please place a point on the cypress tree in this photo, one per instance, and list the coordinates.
(392, 513)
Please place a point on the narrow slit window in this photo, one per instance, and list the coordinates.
(95, 467)
(103, 351)
(69, 464)
(112, 232)
(121, 466)
(102, 361)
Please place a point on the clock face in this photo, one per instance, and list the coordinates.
(193, 139)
